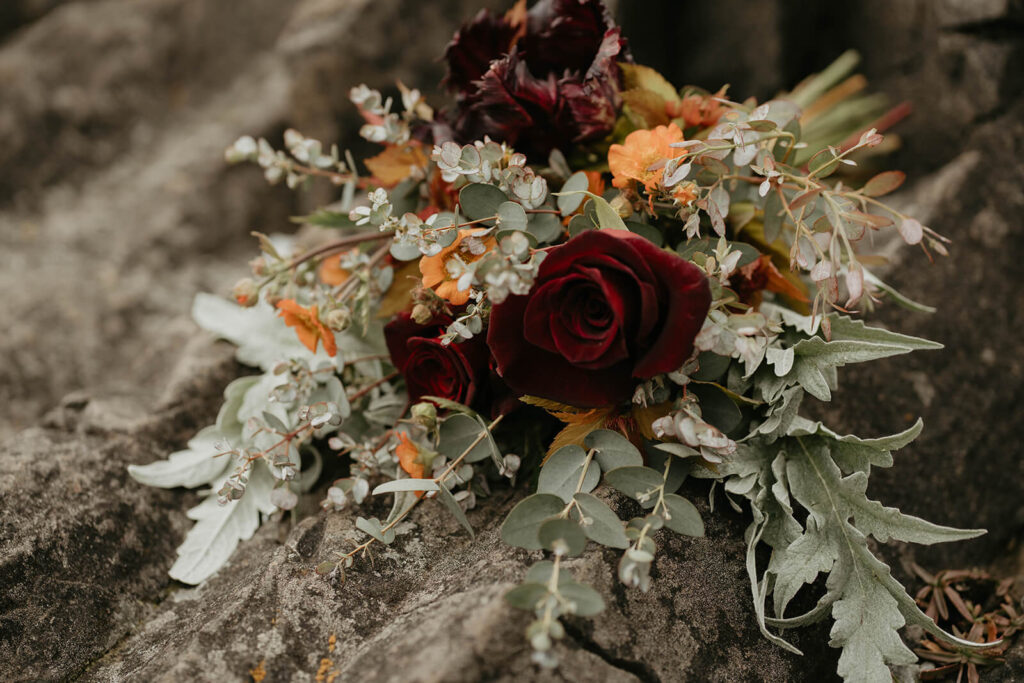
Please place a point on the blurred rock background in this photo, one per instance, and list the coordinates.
(116, 208)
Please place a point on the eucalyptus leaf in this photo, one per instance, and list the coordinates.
(773, 217)
(521, 526)
(448, 500)
(602, 525)
(374, 528)
(480, 200)
(449, 404)
(634, 481)
(404, 251)
(607, 217)
(588, 602)
(457, 432)
(405, 485)
(648, 232)
(511, 216)
(678, 468)
(541, 572)
(565, 533)
(682, 516)
(526, 596)
(711, 366)
(544, 226)
(613, 449)
(563, 471)
(716, 407)
(571, 195)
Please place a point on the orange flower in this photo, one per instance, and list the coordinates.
(685, 193)
(396, 163)
(697, 110)
(435, 268)
(307, 325)
(330, 271)
(642, 149)
(595, 183)
(408, 456)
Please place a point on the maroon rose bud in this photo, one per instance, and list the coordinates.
(608, 308)
(454, 371)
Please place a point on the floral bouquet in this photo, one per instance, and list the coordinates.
(579, 275)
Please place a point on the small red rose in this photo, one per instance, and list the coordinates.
(608, 308)
(457, 371)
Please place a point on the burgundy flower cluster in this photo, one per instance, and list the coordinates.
(608, 309)
(544, 79)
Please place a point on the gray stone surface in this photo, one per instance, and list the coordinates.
(115, 208)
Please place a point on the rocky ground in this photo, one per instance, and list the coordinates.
(116, 208)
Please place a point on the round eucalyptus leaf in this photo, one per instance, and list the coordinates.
(562, 471)
(404, 252)
(541, 572)
(446, 236)
(457, 432)
(479, 200)
(562, 532)
(711, 366)
(634, 482)
(588, 601)
(678, 468)
(571, 195)
(682, 516)
(544, 226)
(716, 407)
(580, 224)
(601, 524)
(521, 526)
(511, 216)
(648, 232)
(613, 449)
(526, 596)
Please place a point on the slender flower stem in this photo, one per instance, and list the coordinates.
(329, 248)
(373, 385)
(346, 288)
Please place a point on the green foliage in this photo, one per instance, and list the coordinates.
(868, 605)
(599, 522)
(481, 200)
(607, 217)
(612, 449)
(523, 523)
(563, 474)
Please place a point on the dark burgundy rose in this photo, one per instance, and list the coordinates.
(608, 308)
(553, 84)
(564, 35)
(458, 371)
(474, 47)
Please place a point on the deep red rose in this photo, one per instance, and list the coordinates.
(458, 371)
(608, 308)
